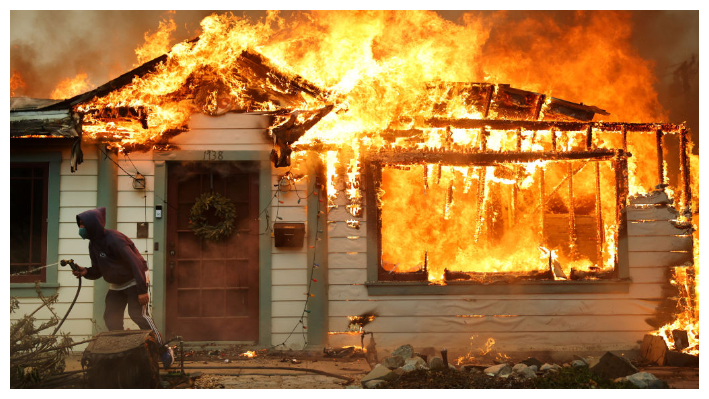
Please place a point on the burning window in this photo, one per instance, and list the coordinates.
(497, 216)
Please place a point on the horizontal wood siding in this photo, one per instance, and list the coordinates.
(136, 206)
(462, 323)
(78, 193)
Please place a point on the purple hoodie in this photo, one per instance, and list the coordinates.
(113, 255)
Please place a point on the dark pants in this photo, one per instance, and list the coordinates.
(116, 302)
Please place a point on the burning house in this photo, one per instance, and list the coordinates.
(266, 203)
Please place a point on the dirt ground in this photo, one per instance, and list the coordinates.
(201, 371)
(202, 367)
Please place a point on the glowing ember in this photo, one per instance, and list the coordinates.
(248, 354)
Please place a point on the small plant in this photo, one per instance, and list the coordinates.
(35, 351)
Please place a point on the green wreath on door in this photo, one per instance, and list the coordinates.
(224, 209)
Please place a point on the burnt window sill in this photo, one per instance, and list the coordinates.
(378, 288)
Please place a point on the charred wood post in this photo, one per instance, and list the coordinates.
(589, 138)
(660, 158)
(449, 201)
(483, 139)
(599, 216)
(542, 205)
(468, 180)
(373, 170)
(624, 131)
(553, 140)
(438, 173)
(684, 169)
(538, 108)
(488, 99)
(480, 214)
(620, 164)
(573, 244)
(514, 186)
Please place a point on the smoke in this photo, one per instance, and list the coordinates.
(47, 47)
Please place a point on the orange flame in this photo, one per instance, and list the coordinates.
(158, 43)
(16, 82)
(70, 87)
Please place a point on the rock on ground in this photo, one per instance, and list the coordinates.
(519, 367)
(578, 363)
(417, 362)
(525, 371)
(393, 362)
(612, 366)
(436, 363)
(499, 370)
(531, 361)
(373, 383)
(644, 379)
(405, 351)
(379, 373)
(547, 367)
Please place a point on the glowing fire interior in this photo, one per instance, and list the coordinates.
(489, 219)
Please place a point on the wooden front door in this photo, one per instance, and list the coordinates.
(212, 286)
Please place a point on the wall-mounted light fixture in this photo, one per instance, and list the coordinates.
(139, 182)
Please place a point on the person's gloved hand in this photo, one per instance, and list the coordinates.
(80, 271)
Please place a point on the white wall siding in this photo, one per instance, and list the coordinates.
(136, 206)
(289, 266)
(77, 194)
(521, 322)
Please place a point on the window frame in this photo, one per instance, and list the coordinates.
(43, 241)
(371, 174)
(50, 284)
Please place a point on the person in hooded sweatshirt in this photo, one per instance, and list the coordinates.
(115, 258)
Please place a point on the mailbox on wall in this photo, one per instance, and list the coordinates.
(289, 234)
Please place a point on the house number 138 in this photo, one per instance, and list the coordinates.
(210, 155)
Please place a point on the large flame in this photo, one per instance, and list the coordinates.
(686, 280)
(16, 82)
(70, 87)
(157, 43)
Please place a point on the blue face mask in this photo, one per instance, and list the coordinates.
(83, 233)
